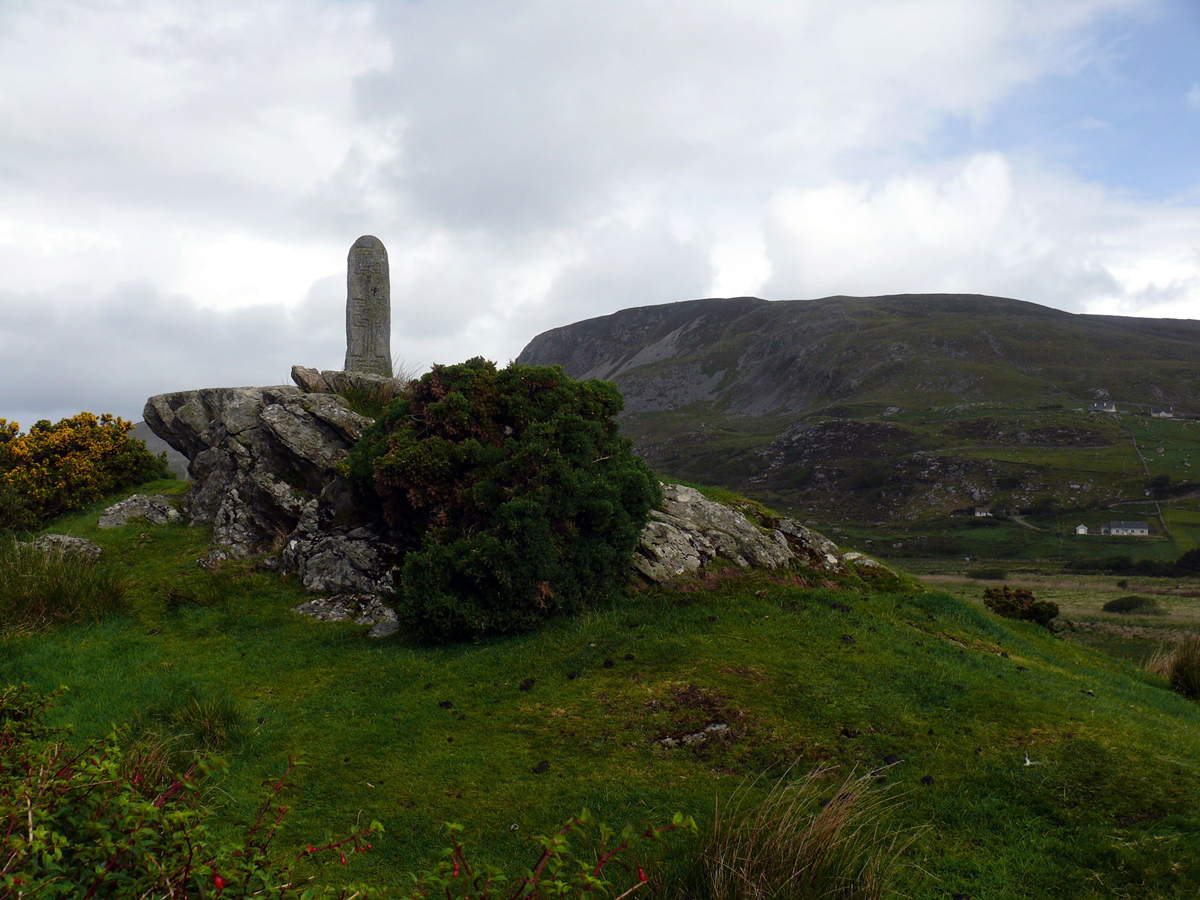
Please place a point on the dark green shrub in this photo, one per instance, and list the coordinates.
(984, 574)
(516, 491)
(1134, 605)
(1019, 604)
(1189, 562)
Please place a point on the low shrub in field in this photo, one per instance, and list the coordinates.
(1134, 605)
(1180, 666)
(808, 838)
(56, 468)
(40, 589)
(1019, 604)
(987, 574)
(519, 496)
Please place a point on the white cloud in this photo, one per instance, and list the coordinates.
(1193, 96)
(984, 227)
(181, 180)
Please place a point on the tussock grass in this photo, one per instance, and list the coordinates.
(809, 837)
(40, 590)
(207, 722)
(1180, 665)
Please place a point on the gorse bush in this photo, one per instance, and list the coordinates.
(56, 468)
(1019, 604)
(518, 495)
(42, 589)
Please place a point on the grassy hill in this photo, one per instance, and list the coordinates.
(1021, 764)
(889, 415)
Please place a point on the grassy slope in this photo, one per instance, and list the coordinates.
(1110, 810)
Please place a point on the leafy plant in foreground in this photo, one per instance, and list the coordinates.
(1019, 603)
(517, 490)
(558, 871)
(76, 824)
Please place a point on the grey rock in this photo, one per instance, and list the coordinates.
(361, 609)
(812, 549)
(866, 566)
(156, 510)
(309, 380)
(697, 737)
(212, 560)
(690, 531)
(368, 308)
(66, 546)
(258, 457)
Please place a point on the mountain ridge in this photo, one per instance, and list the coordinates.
(792, 356)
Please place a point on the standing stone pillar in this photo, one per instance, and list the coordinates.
(368, 308)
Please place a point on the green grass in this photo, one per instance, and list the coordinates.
(806, 677)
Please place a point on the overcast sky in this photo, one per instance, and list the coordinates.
(180, 182)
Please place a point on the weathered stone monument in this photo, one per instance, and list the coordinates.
(368, 308)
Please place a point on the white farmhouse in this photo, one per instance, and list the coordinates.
(1126, 529)
(1081, 529)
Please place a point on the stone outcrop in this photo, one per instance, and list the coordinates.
(361, 609)
(263, 462)
(263, 465)
(691, 531)
(156, 510)
(66, 546)
(330, 382)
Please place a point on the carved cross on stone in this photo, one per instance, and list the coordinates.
(368, 308)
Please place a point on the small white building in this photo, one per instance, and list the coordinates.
(1126, 529)
(1081, 529)
(1162, 412)
(1102, 406)
(981, 511)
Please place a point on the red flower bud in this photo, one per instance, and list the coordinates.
(343, 859)
(641, 875)
(218, 881)
(310, 849)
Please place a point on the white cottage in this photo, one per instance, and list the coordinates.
(1126, 529)
(1081, 529)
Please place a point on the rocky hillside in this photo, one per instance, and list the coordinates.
(897, 409)
(752, 357)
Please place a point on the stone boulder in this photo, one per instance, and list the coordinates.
(263, 463)
(66, 546)
(156, 510)
(361, 609)
(690, 531)
(330, 382)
